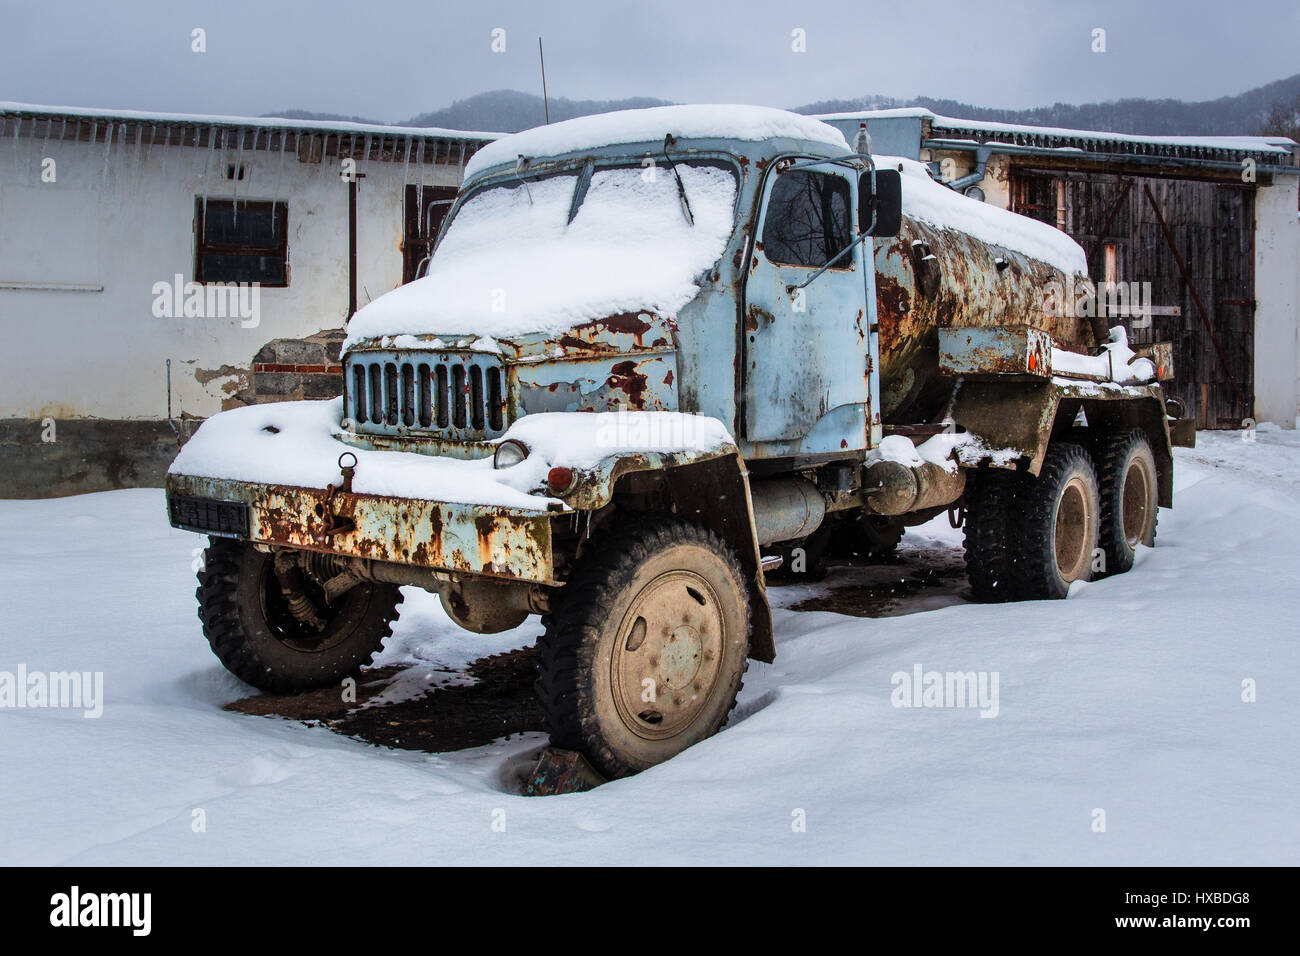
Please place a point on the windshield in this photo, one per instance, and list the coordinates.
(511, 261)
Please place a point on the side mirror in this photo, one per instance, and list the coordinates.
(886, 202)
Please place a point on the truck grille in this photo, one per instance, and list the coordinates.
(449, 395)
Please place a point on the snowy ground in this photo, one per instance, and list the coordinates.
(1126, 698)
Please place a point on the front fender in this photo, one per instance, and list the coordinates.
(684, 465)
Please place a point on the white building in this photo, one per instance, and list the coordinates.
(118, 231)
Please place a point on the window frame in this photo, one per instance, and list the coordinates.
(202, 248)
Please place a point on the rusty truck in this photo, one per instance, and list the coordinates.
(657, 355)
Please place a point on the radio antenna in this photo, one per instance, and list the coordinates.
(546, 106)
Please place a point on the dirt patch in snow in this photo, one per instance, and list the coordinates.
(497, 701)
(911, 580)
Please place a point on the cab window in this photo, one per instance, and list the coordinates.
(807, 219)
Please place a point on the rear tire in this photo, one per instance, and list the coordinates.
(1055, 524)
(989, 550)
(656, 609)
(1129, 498)
(248, 625)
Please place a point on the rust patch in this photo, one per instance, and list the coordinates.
(624, 377)
(668, 379)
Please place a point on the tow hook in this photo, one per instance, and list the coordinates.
(335, 523)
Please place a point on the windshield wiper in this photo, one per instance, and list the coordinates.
(681, 188)
(518, 169)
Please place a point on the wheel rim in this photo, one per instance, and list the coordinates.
(340, 618)
(1071, 538)
(672, 635)
(1136, 506)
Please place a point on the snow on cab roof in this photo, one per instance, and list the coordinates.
(265, 122)
(714, 121)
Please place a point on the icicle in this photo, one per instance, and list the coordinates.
(139, 142)
(460, 161)
(419, 191)
(239, 159)
(366, 160)
(108, 149)
(221, 170)
(207, 164)
(45, 146)
(279, 175)
(406, 161)
(18, 125)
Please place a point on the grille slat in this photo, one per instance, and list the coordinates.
(447, 395)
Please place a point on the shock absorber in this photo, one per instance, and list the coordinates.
(292, 585)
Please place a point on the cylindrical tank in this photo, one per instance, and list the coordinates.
(931, 277)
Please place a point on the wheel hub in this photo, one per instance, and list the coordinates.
(668, 655)
(1135, 504)
(680, 660)
(1072, 553)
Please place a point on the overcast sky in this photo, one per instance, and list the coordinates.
(390, 60)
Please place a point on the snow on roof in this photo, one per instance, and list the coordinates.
(932, 202)
(902, 112)
(1041, 135)
(1264, 144)
(266, 122)
(750, 123)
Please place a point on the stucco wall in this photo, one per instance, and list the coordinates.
(1277, 303)
(128, 223)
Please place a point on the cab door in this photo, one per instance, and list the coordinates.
(806, 349)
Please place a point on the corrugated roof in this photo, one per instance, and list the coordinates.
(1187, 148)
(245, 122)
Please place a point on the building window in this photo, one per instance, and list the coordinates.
(241, 242)
(807, 219)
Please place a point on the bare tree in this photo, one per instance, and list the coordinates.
(1283, 119)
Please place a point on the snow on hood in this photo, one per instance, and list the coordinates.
(299, 444)
(935, 203)
(512, 264)
(748, 123)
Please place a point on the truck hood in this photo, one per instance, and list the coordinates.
(511, 265)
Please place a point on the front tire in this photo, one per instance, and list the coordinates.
(251, 630)
(645, 647)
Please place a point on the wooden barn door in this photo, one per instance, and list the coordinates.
(1117, 221)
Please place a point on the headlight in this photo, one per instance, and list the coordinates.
(509, 452)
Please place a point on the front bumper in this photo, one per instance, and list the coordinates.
(512, 544)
